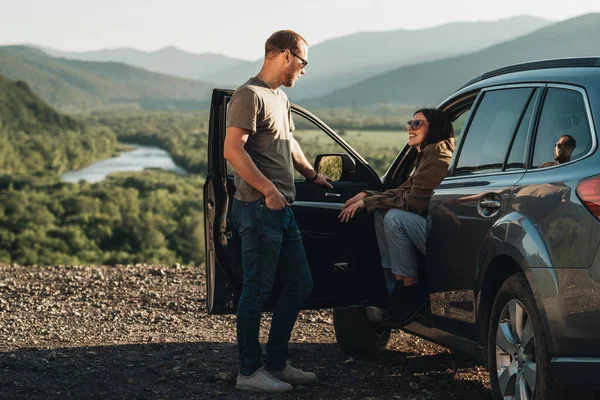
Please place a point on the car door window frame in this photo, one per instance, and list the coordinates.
(345, 146)
(223, 271)
(537, 97)
(467, 126)
(533, 134)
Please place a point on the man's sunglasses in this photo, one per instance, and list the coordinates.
(415, 124)
(304, 62)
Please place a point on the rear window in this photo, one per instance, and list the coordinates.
(563, 133)
(489, 136)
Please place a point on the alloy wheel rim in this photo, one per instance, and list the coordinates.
(515, 353)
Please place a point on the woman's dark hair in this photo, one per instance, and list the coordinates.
(440, 125)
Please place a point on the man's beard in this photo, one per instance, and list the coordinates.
(289, 78)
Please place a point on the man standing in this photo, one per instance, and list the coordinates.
(260, 147)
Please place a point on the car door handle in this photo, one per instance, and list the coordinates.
(332, 194)
(489, 204)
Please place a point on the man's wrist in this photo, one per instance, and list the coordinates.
(313, 178)
(270, 191)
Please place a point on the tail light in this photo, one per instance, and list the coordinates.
(588, 191)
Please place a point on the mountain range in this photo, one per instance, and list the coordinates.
(336, 63)
(169, 60)
(430, 82)
(72, 84)
(402, 67)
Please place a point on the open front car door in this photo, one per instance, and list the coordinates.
(343, 257)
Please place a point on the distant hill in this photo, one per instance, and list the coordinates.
(22, 110)
(36, 140)
(169, 60)
(70, 84)
(429, 83)
(340, 62)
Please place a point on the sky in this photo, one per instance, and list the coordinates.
(239, 28)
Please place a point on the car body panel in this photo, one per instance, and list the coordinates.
(457, 232)
(564, 279)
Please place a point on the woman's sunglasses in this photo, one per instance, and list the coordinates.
(415, 124)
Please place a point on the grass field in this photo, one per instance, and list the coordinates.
(379, 148)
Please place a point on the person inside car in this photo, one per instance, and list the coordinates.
(562, 151)
(400, 214)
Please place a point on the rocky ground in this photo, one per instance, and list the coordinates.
(142, 332)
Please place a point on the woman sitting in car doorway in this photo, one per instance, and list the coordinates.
(400, 214)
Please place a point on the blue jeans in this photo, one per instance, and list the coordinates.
(270, 242)
(399, 235)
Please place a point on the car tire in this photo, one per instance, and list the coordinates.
(517, 349)
(356, 335)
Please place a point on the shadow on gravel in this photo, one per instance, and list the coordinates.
(208, 370)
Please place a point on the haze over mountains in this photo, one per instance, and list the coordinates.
(404, 67)
(337, 62)
(169, 60)
(429, 83)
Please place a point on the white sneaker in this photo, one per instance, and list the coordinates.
(262, 381)
(295, 376)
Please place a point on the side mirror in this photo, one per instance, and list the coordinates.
(339, 167)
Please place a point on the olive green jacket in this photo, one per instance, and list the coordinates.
(431, 167)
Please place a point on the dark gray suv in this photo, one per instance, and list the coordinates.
(512, 261)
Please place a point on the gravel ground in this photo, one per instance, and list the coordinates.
(142, 332)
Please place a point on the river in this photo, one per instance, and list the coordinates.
(136, 160)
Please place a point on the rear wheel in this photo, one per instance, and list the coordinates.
(518, 360)
(356, 335)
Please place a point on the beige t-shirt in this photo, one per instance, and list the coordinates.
(267, 115)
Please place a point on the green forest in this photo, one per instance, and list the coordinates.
(148, 217)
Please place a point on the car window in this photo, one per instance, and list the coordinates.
(379, 147)
(517, 157)
(313, 142)
(490, 133)
(459, 123)
(563, 133)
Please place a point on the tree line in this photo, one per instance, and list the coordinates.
(147, 217)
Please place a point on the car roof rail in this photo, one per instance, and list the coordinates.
(540, 64)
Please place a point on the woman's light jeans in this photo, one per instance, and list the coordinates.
(399, 235)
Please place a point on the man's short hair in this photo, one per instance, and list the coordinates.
(570, 142)
(284, 40)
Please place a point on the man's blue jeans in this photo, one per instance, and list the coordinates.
(270, 242)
